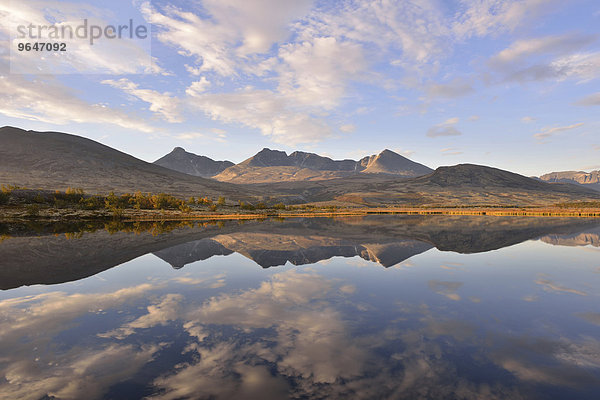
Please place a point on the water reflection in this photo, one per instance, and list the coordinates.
(521, 322)
(50, 254)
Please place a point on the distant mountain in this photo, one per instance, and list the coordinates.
(56, 161)
(277, 166)
(588, 179)
(192, 164)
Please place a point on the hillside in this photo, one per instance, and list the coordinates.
(277, 166)
(588, 179)
(459, 185)
(56, 161)
(192, 164)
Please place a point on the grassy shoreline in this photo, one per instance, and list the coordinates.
(74, 204)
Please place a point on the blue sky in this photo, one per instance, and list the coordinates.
(511, 84)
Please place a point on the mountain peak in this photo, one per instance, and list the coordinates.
(389, 162)
(189, 163)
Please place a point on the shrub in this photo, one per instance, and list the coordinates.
(74, 195)
(279, 206)
(163, 201)
(4, 197)
(92, 203)
(221, 201)
(246, 206)
(141, 201)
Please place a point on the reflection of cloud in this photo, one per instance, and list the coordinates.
(550, 286)
(563, 360)
(591, 317)
(447, 289)
(34, 366)
(309, 340)
(158, 314)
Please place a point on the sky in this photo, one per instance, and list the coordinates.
(512, 84)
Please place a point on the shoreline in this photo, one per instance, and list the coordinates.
(14, 214)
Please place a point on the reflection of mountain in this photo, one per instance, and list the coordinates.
(589, 237)
(187, 253)
(269, 250)
(387, 240)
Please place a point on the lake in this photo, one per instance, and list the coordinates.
(374, 307)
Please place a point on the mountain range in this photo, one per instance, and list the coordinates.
(588, 179)
(56, 161)
(277, 166)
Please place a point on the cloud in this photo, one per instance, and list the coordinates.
(47, 100)
(591, 100)
(315, 72)
(491, 17)
(446, 128)
(454, 89)
(474, 118)
(528, 119)
(230, 32)
(105, 56)
(348, 128)
(451, 151)
(548, 132)
(198, 87)
(264, 110)
(550, 57)
(161, 103)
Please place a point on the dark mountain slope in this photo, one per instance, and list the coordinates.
(55, 161)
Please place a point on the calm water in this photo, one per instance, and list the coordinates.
(378, 307)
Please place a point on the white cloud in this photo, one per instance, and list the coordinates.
(551, 131)
(315, 73)
(51, 102)
(162, 103)
(474, 118)
(198, 87)
(264, 110)
(235, 30)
